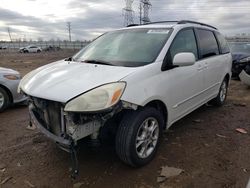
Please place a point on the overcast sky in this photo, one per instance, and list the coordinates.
(47, 19)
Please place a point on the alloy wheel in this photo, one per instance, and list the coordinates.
(147, 137)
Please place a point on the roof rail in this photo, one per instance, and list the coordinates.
(177, 22)
(170, 21)
(193, 22)
(131, 25)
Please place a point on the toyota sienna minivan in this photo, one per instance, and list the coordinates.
(130, 84)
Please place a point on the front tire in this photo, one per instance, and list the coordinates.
(4, 99)
(220, 99)
(138, 136)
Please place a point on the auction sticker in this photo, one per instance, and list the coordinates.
(158, 31)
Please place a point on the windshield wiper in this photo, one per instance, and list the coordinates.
(100, 62)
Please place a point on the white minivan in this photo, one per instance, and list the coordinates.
(130, 84)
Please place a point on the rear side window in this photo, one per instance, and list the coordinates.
(224, 48)
(208, 43)
(184, 42)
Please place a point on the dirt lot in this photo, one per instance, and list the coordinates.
(204, 144)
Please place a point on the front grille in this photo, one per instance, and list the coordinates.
(49, 114)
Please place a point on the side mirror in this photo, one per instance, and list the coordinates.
(184, 59)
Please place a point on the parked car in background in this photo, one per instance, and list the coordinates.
(3, 47)
(241, 57)
(30, 49)
(52, 49)
(9, 81)
(133, 83)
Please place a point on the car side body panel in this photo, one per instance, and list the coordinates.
(11, 85)
(181, 89)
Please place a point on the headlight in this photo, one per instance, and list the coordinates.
(97, 99)
(12, 76)
(244, 60)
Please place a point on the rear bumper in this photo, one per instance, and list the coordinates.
(63, 142)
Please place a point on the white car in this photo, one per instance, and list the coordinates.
(133, 82)
(30, 49)
(9, 81)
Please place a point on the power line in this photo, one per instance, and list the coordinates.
(128, 13)
(140, 13)
(69, 30)
(146, 5)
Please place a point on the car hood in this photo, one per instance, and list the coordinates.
(63, 80)
(7, 71)
(239, 56)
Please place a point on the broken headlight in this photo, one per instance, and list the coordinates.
(97, 99)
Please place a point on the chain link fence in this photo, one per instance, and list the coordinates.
(74, 45)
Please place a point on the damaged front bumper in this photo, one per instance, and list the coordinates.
(66, 128)
(58, 139)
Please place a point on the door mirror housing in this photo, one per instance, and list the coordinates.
(184, 59)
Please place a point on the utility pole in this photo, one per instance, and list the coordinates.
(128, 13)
(146, 5)
(69, 30)
(8, 29)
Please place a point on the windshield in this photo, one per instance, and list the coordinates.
(129, 48)
(240, 47)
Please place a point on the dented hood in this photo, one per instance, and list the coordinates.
(63, 80)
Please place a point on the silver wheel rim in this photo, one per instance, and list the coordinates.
(223, 91)
(1, 100)
(147, 137)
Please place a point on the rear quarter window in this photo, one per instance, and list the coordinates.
(224, 48)
(207, 42)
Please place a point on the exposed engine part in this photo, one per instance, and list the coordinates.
(77, 132)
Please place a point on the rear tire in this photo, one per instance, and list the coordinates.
(138, 136)
(220, 99)
(4, 99)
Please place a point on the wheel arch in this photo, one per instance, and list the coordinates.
(159, 105)
(8, 92)
(227, 77)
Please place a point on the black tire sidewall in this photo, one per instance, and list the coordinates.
(6, 99)
(219, 99)
(134, 121)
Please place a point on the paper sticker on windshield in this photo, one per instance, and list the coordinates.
(158, 31)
